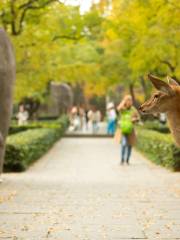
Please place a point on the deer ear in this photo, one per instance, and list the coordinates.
(172, 81)
(160, 85)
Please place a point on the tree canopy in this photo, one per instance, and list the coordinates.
(115, 42)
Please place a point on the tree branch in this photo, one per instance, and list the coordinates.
(13, 18)
(171, 67)
(27, 4)
(23, 9)
(30, 5)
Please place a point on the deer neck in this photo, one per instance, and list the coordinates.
(174, 124)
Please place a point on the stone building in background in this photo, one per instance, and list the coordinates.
(61, 97)
(59, 101)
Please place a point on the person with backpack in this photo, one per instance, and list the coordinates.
(128, 117)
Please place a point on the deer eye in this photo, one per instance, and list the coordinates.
(156, 96)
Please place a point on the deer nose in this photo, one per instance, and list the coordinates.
(141, 109)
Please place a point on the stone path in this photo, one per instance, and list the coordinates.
(79, 191)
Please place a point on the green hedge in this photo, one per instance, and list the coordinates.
(26, 147)
(159, 148)
(157, 126)
(14, 128)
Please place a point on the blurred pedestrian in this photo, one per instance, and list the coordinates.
(96, 118)
(22, 116)
(128, 117)
(111, 118)
(82, 118)
(89, 116)
(74, 120)
(86, 119)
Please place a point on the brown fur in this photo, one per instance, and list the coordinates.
(173, 116)
(167, 100)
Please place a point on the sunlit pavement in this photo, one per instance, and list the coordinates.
(80, 191)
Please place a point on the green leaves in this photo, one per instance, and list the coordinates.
(109, 45)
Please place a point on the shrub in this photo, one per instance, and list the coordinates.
(47, 118)
(25, 147)
(157, 126)
(39, 124)
(159, 148)
(16, 129)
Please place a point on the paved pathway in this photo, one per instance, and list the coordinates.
(78, 191)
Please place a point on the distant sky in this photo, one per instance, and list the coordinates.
(84, 4)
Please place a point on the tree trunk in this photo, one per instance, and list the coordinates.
(144, 88)
(131, 89)
(7, 78)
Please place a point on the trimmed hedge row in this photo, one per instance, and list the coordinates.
(17, 129)
(157, 126)
(24, 148)
(159, 148)
(38, 124)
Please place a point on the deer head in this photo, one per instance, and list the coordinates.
(165, 99)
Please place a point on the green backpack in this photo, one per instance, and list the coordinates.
(126, 124)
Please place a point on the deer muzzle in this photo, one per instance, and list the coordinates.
(142, 109)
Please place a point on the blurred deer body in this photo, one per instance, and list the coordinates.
(167, 100)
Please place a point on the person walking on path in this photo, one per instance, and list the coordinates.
(22, 116)
(95, 119)
(128, 117)
(74, 120)
(111, 117)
